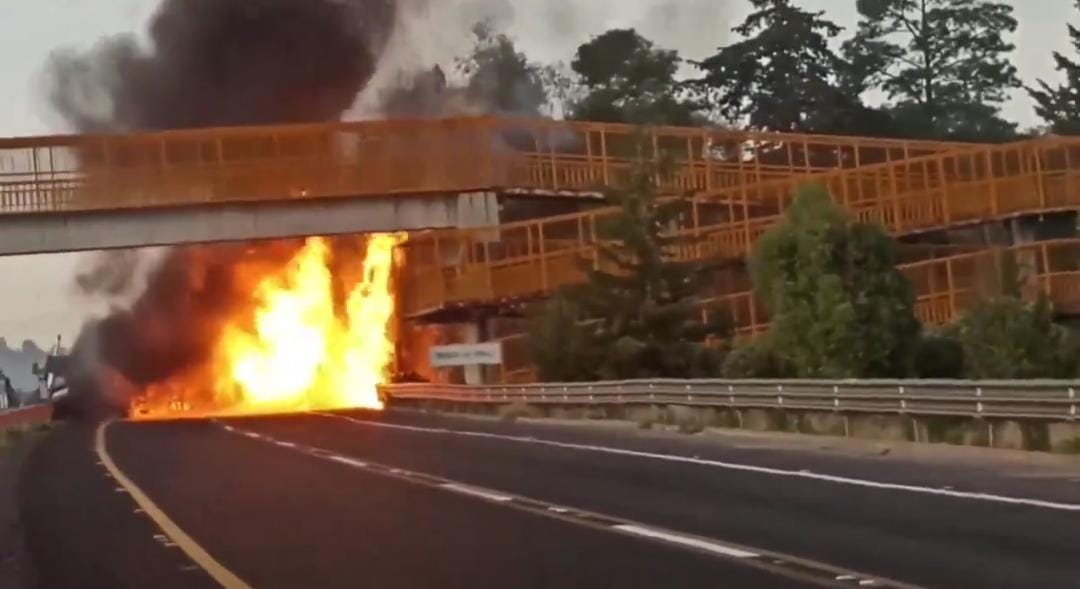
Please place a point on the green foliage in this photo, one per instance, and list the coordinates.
(1006, 338)
(939, 355)
(756, 359)
(627, 79)
(783, 76)
(638, 316)
(644, 301)
(562, 349)
(944, 64)
(1059, 105)
(499, 77)
(840, 307)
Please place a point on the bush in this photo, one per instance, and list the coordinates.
(562, 348)
(756, 359)
(939, 355)
(518, 410)
(839, 306)
(1006, 338)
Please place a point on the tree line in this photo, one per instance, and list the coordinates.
(838, 304)
(942, 69)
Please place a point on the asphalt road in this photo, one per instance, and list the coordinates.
(410, 500)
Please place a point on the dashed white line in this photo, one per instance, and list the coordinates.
(846, 577)
(841, 480)
(482, 493)
(556, 509)
(687, 541)
(348, 461)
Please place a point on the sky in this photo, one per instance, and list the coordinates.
(38, 300)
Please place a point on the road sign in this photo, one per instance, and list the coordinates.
(466, 354)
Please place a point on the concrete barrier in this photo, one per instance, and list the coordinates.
(26, 415)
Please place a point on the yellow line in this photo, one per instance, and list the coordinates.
(215, 569)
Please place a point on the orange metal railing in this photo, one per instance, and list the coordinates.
(378, 158)
(921, 194)
(944, 289)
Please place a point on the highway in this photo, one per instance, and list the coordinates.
(416, 500)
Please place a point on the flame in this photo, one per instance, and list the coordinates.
(296, 351)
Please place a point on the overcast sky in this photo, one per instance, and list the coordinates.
(37, 300)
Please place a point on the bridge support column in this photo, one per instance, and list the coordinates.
(476, 332)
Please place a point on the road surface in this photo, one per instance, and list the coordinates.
(413, 500)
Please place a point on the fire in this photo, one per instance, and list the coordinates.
(297, 350)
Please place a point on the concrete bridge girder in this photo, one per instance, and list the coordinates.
(56, 232)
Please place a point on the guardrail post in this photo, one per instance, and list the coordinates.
(780, 395)
(1072, 408)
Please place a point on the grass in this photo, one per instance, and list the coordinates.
(13, 435)
(1070, 446)
(518, 410)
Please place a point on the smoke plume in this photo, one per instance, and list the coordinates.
(208, 63)
(226, 62)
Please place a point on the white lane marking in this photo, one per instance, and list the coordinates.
(253, 435)
(648, 532)
(285, 444)
(687, 541)
(228, 428)
(482, 493)
(867, 583)
(1006, 499)
(348, 461)
(845, 577)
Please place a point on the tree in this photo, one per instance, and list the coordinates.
(944, 64)
(499, 78)
(783, 76)
(1059, 105)
(840, 308)
(756, 359)
(421, 94)
(939, 355)
(627, 79)
(562, 348)
(1006, 338)
(641, 304)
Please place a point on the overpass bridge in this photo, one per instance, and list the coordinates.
(459, 186)
(919, 198)
(69, 193)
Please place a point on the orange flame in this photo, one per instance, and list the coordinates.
(299, 353)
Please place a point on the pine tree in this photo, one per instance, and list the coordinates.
(945, 64)
(1059, 105)
(641, 303)
(627, 79)
(783, 75)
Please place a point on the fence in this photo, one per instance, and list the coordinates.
(925, 193)
(944, 289)
(1049, 400)
(296, 162)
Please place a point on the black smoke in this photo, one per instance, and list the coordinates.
(226, 62)
(208, 63)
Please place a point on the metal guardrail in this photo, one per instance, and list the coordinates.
(1034, 399)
